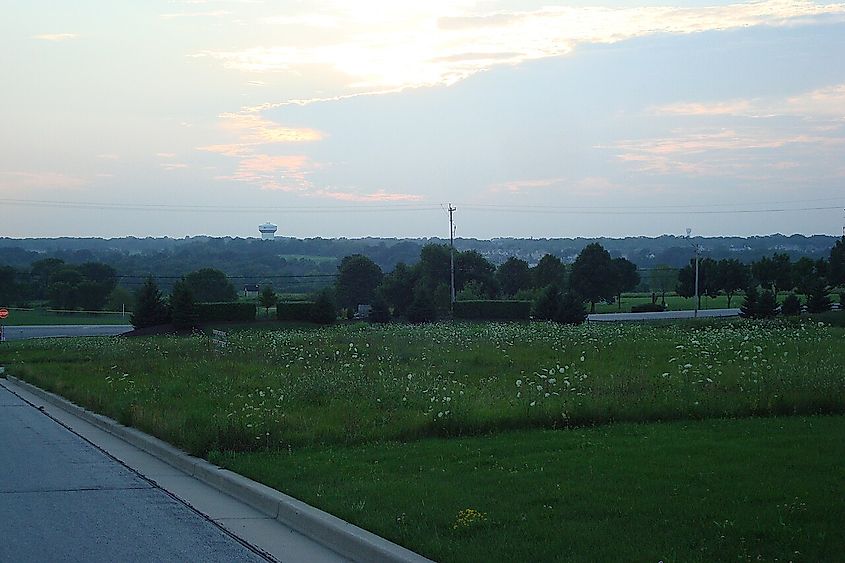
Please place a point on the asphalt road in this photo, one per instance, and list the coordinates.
(663, 315)
(62, 499)
(49, 331)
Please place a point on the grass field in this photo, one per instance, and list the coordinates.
(398, 428)
(675, 302)
(720, 490)
(19, 317)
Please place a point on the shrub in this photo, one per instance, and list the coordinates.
(423, 308)
(504, 310)
(571, 310)
(648, 308)
(226, 312)
(791, 305)
(295, 310)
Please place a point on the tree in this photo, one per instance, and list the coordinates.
(767, 305)
(545, 307)
(817, 299)
(791, 305)
(571, 310)
(182, 306)
(209, 285)
(836, 264)
(357, 280)
(748, 309)
(120, 298)
(663, 278)
(592, 275)
(397, 287)
(513, 275)
(804, 273)
(325, 308)
(268, 298)
(423, 309)
(63, 288)
(472, 266)
(773, 273)
(9, 289)
(40, 272)
(549, 270)
(150, 309)
(707, 282)
(625, 277)
(379, 312)
(731, 276)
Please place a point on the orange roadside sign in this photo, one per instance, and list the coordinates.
(4, 313)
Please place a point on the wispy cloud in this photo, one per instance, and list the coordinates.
(23, 181)
(374, 197)
(174, 165)
(520, 186)
(55, 37)
(442, 43)
(207, 14)
(827, 102)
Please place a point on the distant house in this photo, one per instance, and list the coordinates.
(251, 290)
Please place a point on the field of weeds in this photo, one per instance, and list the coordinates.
(354, 384)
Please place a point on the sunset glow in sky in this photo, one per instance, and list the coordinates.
(366, 118)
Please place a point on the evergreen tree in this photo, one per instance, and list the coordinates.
(545, 307)
(817, 299)
(571, 310)
(748, 309)
(767, 305)
(791, 305)
(423, 309)
(325, 308)
(150, 309)
(183, 310)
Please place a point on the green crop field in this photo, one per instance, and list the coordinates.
(400, 428)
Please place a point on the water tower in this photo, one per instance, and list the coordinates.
(267, 230)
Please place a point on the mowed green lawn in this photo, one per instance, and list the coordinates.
(399, 428)
(760, 489)
(20, 317)
(675, 302)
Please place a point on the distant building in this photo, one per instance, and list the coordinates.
(251, 290)
(268, 231)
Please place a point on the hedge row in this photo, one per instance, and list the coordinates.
(648, 308)
(493, 310)
(295, 310)
(208, 312)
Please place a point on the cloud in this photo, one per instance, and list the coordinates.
(520, 186)
(166, 155)
(285, 173)
(208, 14)
(55, 37)
(174, 165)
(724, 152)
(23, 181)
(378, 196)
(827, 102)
(108, 156)
(388, 47)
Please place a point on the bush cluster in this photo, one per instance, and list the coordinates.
(648, 308)
(502, 310)
(233, 312)
(295, 310)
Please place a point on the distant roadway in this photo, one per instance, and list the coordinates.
(49, 331)
(662, 315)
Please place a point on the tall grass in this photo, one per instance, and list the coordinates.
(357, 383)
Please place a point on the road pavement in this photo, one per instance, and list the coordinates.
(703, 313)
(49, 331)
(72, 491)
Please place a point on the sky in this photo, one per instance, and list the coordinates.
(368, 118)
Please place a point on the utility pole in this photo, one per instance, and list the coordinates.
(697, 253)
(452, 255)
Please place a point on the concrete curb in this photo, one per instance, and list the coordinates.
(344, 538)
